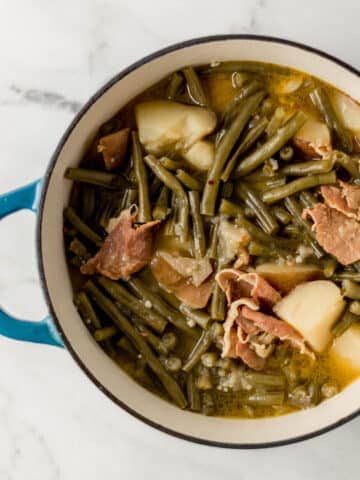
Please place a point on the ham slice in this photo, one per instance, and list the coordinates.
(237, 284)
(182, 287)
(345, 198)
(338, 234)
(125, 250)
(277, 328)
(113, 148)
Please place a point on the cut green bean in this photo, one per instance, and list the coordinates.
(264, 399)
(97, 177)
(308, 168)
(259, 380)
(152, 318)
(275, 194)
(198, 227)
(227, 190)
(170, 385)
(230, 208)
(86, 310)
(307, 199)
(193, 393)
(175, 186)
(355, 276)
(281, 215)
(153, 340)
(218, 300)
(131, 195)
(223, 150)
(72, 217)
(155, 187)
(351, 165)
(321, 100)
(161, 209)
(201, 347)
(330, 266)
(245, 91)
(346, 320)
(286, 153)
(213, 240)
(156, 303)
(195, 89)
(175, 84)
(170, 164)
(104, 333)
(188, 180)
(350, 289)
(265, 218)
(272, 145)
(78, 248)
(144, 209)
(125, 345)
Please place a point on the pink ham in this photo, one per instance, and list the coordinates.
(125, 250)
(345, 198)
(237, 284)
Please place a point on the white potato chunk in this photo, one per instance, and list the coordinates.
(289, 85)
(347, 110)
(347, 347)
(312, 308)
(232, 240)
(201, 155)
(284, 277)
(313, 138)
(170, 126)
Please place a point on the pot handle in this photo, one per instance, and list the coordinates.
(26, 197)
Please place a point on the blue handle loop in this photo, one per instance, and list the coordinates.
(26, 197)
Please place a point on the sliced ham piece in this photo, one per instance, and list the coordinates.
(173, 282)
(277, 328)
(125, 250)
(237, 284)
(338, 234)
(345, 198)
(248, 355)
(113, 148)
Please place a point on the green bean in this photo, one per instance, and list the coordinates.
(169, 228)
(263, 185)
(308, 168)
(161, 209)
(246, 91)
(262, 212)
(281, 215)
(88, 203)
(244, 66)
(175, 84)
(227, 190)
(265, 399)
(76, 261)
(212, 250)
(175, 186)
(330, 265)
(169, 340)
(71, 216)
(170, 164)
(201, 346)
(125, 326)
(350, 289)
(203, 381)
(78, 248)
(173, 364)
(223, 150)
(195, 89)
(271, 167)
(131, 197)
(260, 250)
(209, 359)
(198, 227)
(249, 213)
(276, 121)
(249, 140)
(292, 230)
(155, 186)
(144, 210)
(193, 394)
(286, 153)
(188, 180)
(355, 308)
(345, 321)
(86, 310)
(153, 340)
(104, 333)
(321, 100)
(355, 276)
(160, 306)
(295, 210)
(347, 163)
(152, 318)
(96, 177)
(125, 344)
(218, 300)
(272, 145)
(303, 183)
(307, 199)
(231, 209)
(257, 380)
(207, 404)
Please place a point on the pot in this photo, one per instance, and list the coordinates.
(48, 196)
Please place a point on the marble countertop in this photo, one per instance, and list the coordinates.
(54, 424)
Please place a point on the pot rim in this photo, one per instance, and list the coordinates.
(116, 78)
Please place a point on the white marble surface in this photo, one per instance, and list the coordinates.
(54, 424)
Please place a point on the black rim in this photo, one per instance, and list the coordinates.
(47, 176)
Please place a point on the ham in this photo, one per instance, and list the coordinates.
(338, 234)
(237, 284)
(113, 148)
(345, 198)
(182, 287)
(125, 250)
(277, 328)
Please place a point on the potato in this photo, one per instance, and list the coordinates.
(285, 278)
(232, 240)
(346, 348)
(347, 110)
(312, 308)
(313, 139)
(201, 155)
(166, 126)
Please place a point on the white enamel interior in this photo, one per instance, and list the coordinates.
(230, 431)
